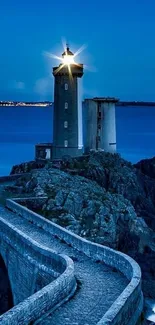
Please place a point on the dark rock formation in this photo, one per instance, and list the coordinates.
(81, 205)
(147, 167)
(119, 176)
(26, 167)
(104, 198)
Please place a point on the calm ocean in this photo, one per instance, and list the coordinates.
(22, 127)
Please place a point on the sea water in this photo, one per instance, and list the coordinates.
(22, 127)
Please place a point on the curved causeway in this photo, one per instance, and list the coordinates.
(99, 284)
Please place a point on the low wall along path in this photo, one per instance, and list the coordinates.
(109, 282)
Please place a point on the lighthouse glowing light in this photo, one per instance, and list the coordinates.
(68, 57)
(68, 60)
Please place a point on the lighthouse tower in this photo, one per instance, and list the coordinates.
(65, 126)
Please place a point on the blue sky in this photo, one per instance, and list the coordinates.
(120, 38)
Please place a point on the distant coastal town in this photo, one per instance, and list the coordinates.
(14, 103)
(48, 103)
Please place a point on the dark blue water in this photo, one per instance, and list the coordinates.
(135, 132)
(22, 127)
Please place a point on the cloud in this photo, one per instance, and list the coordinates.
(19, 85)
(43, 86)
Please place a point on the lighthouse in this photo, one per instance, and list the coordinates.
(97, 122)
(65, 121)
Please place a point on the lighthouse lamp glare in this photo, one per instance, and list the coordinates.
(68, 59)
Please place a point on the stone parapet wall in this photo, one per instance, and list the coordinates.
(30, 260)
(127, 309)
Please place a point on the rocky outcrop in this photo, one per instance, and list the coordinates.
(104, 198)
(25, 167)
(81, 205)
(117, 175)
(147, 167)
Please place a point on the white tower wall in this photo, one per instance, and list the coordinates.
(108, 127)
(89, 113)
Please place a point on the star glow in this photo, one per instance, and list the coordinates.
(67, 58)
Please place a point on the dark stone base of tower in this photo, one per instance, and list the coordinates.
(47, 152)
(43, 151)
(58, 153)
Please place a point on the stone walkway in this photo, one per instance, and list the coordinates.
(99, 285)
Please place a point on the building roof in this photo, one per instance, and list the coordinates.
(106, 99)
(48, 144)
(67, 52)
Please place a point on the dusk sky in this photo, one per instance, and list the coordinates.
(120, 53)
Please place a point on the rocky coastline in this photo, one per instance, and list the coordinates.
(101, 197)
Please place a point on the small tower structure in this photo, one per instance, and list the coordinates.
(99, 124)
(65, 124)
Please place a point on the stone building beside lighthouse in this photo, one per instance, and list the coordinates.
(99, 124)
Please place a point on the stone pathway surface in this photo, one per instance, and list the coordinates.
(99, 286)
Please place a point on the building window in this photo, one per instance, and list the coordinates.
(66, 105)
(66, 86)
(66, 124)
(66, 143)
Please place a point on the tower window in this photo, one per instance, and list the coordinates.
(66, 105)
(66, 86)
(66, 124)
(66, 143)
